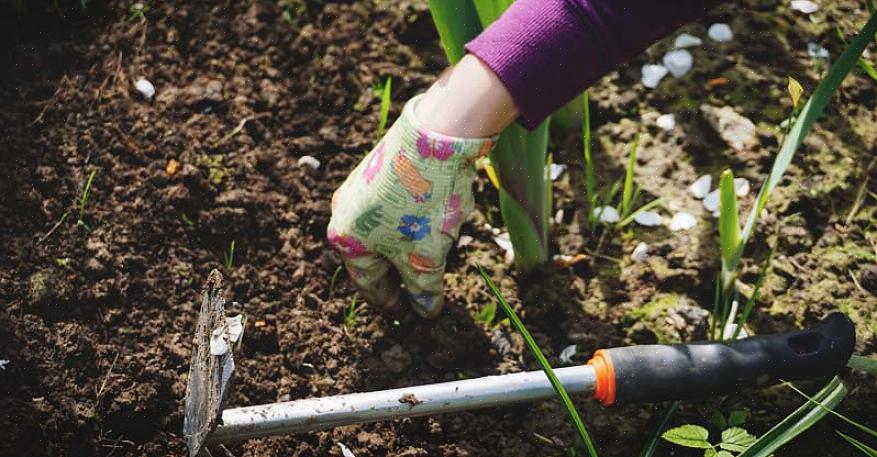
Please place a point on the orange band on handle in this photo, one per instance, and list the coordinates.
(605, 377)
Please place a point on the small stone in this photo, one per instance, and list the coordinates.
(736, 130)
(556, 170)
(666, 122)
(805, 6)
(145, 88)
(640, 252)
(558, 217)
(3, 364)
(686, 40)
(345, 451)
(720, 32)
(504, 241)
(678, 62)
(741, 187)
(309, 161)
(817, 51)
(701, 187)
(607, 214)
(649, 219)
(713, 200)
(682, 221)
(567, 353)
(464, 240)
(652, 75)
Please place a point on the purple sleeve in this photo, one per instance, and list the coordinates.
(548, 51)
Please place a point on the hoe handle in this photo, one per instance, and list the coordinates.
(653, 373)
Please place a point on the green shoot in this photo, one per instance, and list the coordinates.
(229, 256)
(864, 428)
(186, 220)
(543, 362)
(138, 11)
(866, 364)
(729, 229)
(351, 315)
(83, 201)
(800, 420)
(750, 303)
(589, 166)
(867, 450)
(648, 206)
(487, 314)
(334, 277)
(733, 439)
(627, 193)
(385, 107)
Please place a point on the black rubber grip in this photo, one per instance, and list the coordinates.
(653, 373)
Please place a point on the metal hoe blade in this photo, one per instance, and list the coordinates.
(209, 375)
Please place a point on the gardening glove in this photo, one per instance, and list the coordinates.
(401, 209)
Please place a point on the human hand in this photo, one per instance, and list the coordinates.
(397, 214)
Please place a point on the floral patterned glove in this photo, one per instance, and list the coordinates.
(401, 209)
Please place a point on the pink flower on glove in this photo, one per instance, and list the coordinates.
(345, 245)
(374, 164)
(440, 148)
(453, 214)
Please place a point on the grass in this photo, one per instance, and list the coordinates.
(543, 363)
(351, 315)
(384, 91)
(83, 201)
(590, 193)
(228, 256)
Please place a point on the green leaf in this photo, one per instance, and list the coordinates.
(866, 364)
(589, 166)
(490, 10)
(543, 362)
(457, 23)
(797, 422)
(688, 435)
(487, 314)
(729, 229)
(724, 454)
(738, 416)
(736, 439)
(846, 419)
(867, 450)
(719, 420)
(627, 193)
(385, 106)
(710, 452)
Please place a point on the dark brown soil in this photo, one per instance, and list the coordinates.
(96, 318)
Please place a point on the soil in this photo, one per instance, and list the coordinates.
(97, 316)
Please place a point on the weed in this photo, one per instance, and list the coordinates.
(216, 171)
(186, 220)
(229, 256)
(351, 315)
(384, 92)
(487, 314)
(138, 11)
(83, 201)
(733, 439)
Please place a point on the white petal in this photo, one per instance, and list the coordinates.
(652, 75)
(567, 353)
(678, 62)
(606, 214)
(686, 40)
(666, 121)
(701, 187)
(805, 6)
(309, 161)
(816, 51)
(557, 169)
(3, 364)
(640, 252)
(648, 218)
(464, 240)
(720, 32)
(682, 221)
(712, 200)
(145, 88)
(235, 327)
(741, 187)
(345, 451)
(558, 216)
(218, 342)
(505, 243)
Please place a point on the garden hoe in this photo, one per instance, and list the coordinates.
(648, 373)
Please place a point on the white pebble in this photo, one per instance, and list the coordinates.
(652, 75)
(3, 364)
(464, 240)
(567, 353)
(720, 32)
(741, 187)
(309, 161)
(701, 187)
(817, 51)
(805, 6)
(678, 62)
(556, 170)
(558, 216)
(686, 40)
(649, 219)
(145, 88)
(682, 221)
(607, 214)
(345, 451)
(666, 122)
(640, 252)
(712, 200)
(505, 243)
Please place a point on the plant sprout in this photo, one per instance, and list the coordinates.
(83, 201)
(385, 106)
(229, 256)
(351, 315)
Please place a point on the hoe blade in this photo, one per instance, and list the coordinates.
(209, 375)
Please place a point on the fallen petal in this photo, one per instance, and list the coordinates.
(345, 451)
(805, 6)
(648, 218)
(606, 214)
(712, 201)
(720, 32)
(505, 243)
(145, 88)
(235, 327)
(682, 221)
(652, 75)
(666, 122)
(464, 240)
(218, 342)
(556, 170)
(701, 187)
(816, 51)
(3, 364)
(640, 252)
(686, 40)
(567, 353)
(678, 62)
(741, 187)
(309, 161)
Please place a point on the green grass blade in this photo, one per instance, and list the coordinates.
(811, 111)
(83, 199)
(729, 229)
(866, 364)
(840, 416)
(627, 193)
(750, 303)
(867, 450)
(385, 107)
(798, 421)
(589, 165)
(655, 438)
(868, 68)
(641, 209)
(543, 362)
(456, 22)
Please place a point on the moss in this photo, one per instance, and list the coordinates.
(655, 308)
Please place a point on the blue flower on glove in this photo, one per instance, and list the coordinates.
(414, 227)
